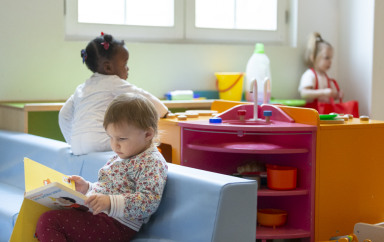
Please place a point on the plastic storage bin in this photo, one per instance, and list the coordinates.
(281, 177)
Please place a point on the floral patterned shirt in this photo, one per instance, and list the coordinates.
(134, 186)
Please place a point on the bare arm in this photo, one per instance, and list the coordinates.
(311, 94)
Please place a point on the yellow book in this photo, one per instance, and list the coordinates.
(25, 226)
(37, 175)
(45, 189)
(50, 187)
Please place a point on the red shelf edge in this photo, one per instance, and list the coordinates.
(223, 148)
(281, 233)
(265, 192)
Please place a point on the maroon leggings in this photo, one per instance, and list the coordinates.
(75, 225)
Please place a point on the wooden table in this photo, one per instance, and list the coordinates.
(42, 118)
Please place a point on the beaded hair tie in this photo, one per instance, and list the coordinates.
(105, 43)
(84, 55)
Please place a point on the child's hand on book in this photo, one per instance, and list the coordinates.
(99, 203)
(80, 184)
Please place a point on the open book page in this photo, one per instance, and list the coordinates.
(46, 189)
(57, 196)
(50, 187)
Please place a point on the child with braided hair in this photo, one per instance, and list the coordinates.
(81, 117)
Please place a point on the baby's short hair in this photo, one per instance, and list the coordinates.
(133, 109)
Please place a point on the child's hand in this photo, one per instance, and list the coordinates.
(98, 203)
(327, 92)
(337, 95)
(81, 185)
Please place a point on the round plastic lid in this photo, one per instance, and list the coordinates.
(241, 112)
(215, 120)
(267, 113)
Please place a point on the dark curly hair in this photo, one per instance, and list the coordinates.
(104, 46)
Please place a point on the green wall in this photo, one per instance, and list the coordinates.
(45, 124)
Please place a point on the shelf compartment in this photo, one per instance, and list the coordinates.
(248, 148)
(223, 150)
(265, 192)
(280, 233)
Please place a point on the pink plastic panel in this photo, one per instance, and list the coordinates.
(277, 113)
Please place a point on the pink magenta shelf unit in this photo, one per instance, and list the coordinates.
(223, 147)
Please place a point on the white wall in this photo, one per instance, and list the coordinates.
(377, 99)
(356, 47)
(322, 17)
(38, 64)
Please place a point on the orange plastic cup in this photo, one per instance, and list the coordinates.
(281, 177)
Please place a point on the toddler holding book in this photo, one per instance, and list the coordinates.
(129, 186)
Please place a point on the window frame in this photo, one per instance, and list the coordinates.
(183, 31)
(85, 31)
(236, 35)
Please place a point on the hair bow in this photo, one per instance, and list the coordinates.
(84, 55)
(105, 44)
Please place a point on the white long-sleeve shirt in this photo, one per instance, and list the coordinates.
(81, 117)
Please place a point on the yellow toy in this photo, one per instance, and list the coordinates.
(347, 238)
(363, 232)
(369, 232)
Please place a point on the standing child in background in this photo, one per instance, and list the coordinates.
(81, 117)
(315, 84)
(129, 186)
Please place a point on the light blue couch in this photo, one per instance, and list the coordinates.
(197, 205)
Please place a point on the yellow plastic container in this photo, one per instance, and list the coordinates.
(230, 85)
